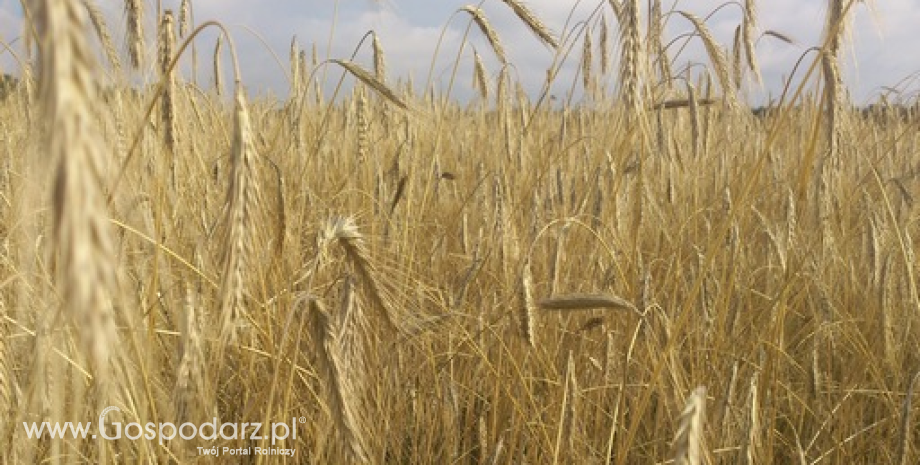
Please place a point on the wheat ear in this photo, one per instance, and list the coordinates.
(80, 228)
(134, 14)
(487, 30)
(534, 23)
(102, 31)
(688, 441)
(242, 200)
(341, 396)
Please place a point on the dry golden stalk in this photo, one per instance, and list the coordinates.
(480, 81)
(533, 23)
(81, 241)
(242, 201)
(696, 132)
(688, 442)
(341, 395)
(736, 58)
(7, 380)
(904, 437)
(134, 13)
(487, 30)
(752, 438)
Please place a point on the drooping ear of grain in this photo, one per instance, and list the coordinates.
(748, 30)
(487, 30)
(341, 397)
(345, 233)
(717, 57)
(366, 77)
(242, 201)
(532, 22)
(102, 31)
(81, 241)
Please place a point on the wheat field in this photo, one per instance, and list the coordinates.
(652, 273)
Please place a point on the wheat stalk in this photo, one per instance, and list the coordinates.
(604, 46)
(191, 371)
(364, 76)
(102, 31)
(585, 302)
(717, 56)
(185, 17)
(380, 67)
(480, 81)
(341, 395)
(487, 30)
(904, 438)
(363, 123)
(527, 305)
(218, 85)
(344, 232)
(630, 56)
(587, 58)
(134, 14)
(688, 442)
(533, 22)
(242, 202)
(167, 48)
(748, 28)
(85, 271)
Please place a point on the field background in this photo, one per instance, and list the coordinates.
(652, 273)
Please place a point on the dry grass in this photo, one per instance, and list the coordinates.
(381, 266)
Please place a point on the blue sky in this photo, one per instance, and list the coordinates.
(881, 50)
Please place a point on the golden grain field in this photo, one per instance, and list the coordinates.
(653, 274)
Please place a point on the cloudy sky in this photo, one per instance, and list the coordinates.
(882, 50)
